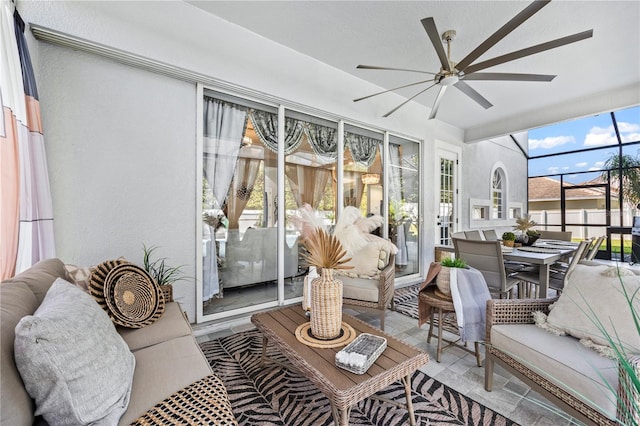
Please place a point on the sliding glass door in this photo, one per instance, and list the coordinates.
(262, 162)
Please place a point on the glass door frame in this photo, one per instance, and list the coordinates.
(282, 107)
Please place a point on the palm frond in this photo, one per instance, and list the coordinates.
(325, 251)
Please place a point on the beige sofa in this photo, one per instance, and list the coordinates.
(569, 372)
(167, 357)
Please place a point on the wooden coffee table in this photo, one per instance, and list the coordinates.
(344, 389)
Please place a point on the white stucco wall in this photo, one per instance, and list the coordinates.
(121, 142)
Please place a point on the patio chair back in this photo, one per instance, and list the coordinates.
(486, 257)
(473, 235)
(490, 235)
(555, 235)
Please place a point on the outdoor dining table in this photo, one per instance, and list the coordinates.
(543, 254)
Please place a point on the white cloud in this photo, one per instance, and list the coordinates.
(582, 164)
(550, 142)
(599, 136)
(599, 164)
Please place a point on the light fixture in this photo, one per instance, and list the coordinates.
(370, 178)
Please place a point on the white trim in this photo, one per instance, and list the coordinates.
(452, 152)
(199, 176)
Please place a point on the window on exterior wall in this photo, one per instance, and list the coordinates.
(497, 194)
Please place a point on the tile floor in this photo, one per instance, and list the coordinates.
(457, 369)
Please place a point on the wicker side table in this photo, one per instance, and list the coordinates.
(443, 308)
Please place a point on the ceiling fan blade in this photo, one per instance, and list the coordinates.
(436, 104)
(471, 92)
(517, 20)
(390, 90)
(508, 76)
(528, 51)
(405, 102)
(432, 31)
(374, 67)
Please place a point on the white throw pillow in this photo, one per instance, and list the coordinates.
(595, 294)
(72, 361)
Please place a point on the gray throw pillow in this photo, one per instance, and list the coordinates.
(73, 362)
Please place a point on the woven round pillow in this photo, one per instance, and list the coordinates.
(98, 276)
(133, 297)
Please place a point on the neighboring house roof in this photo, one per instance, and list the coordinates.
(548, 189)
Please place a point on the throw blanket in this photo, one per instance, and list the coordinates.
(470, 293)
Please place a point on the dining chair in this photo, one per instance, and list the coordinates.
(591, 254)
(490, 235)
(459, 234)
(473, 235)
(557, 278)
(555, 235)
(486, 257)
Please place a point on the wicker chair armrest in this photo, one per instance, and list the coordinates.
(628, 392)
(387, 281)
(167, 291)
(515, 311)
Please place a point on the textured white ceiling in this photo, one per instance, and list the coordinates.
(591, 74)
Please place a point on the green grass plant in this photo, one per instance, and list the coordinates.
(456, 262)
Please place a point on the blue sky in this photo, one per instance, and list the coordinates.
(589, 132)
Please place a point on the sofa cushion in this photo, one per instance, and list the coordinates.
(40, 276)
(562, 360)
(580, 307)
(72, 360)
(172, 324)
(162, 370)
(17, 300)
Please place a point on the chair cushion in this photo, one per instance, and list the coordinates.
(364, 289)
(562, 360)
(72, 361)
(579, 310)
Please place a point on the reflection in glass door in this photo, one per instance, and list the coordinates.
(239, 191)
(404, 203)
(447, 208)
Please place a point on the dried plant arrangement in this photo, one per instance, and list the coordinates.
(325, 251)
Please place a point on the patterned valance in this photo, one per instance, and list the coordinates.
(323, 139)
(266, 126)
(363, 148)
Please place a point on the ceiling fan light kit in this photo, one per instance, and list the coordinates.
(456, 74)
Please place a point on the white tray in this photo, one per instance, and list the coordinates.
(360, 354)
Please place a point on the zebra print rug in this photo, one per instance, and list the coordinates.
(271, 395)
(405, 300)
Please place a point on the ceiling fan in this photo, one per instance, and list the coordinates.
(456, 74)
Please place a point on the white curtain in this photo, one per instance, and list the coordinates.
(224, 127)
(26, 212)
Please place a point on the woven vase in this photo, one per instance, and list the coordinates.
(443, 281)
(326, 306)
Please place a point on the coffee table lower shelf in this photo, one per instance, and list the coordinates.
(343, 388)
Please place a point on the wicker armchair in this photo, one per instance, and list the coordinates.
(385, 285)
(501, 312)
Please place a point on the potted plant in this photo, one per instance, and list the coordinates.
(526, 235)
(163, 274)
(508, 239)
(443, 280)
